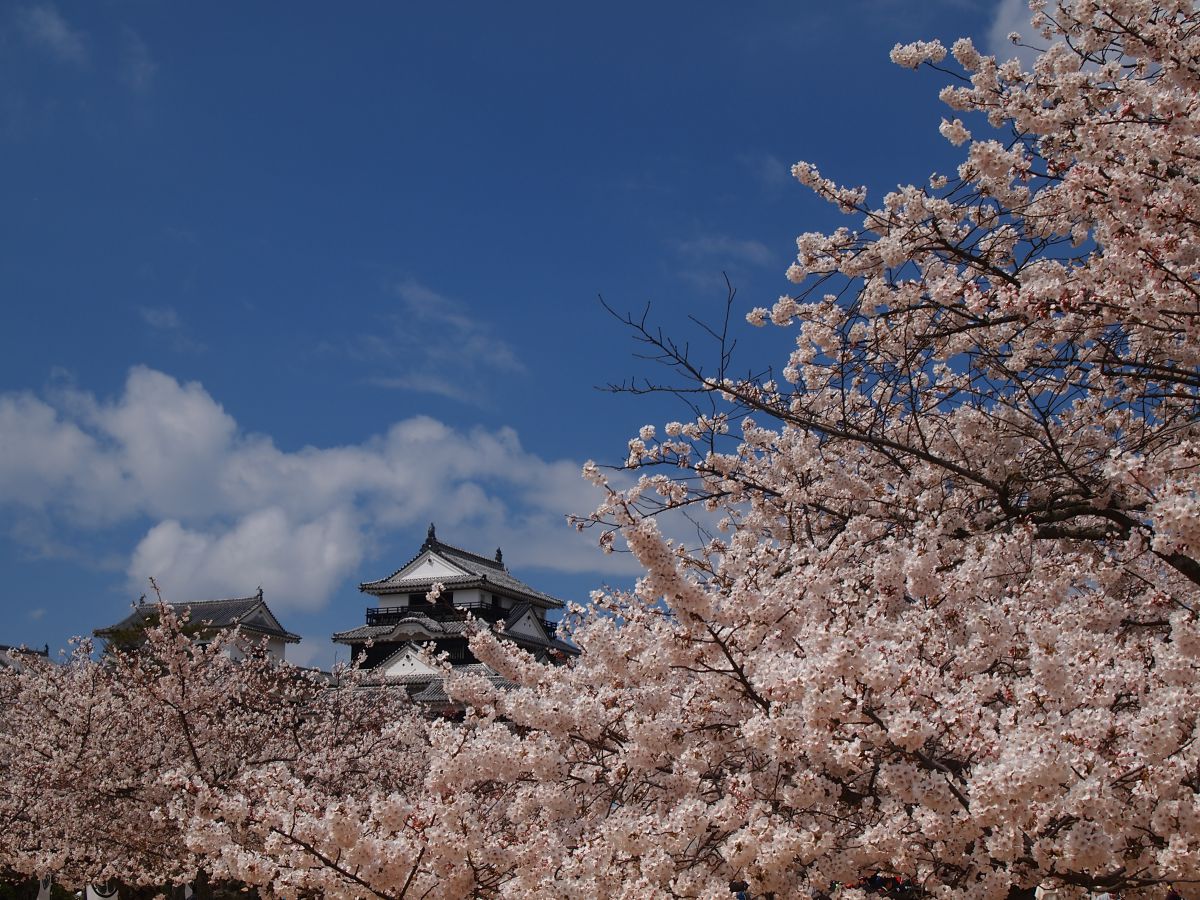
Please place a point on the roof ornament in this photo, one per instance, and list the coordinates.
(141, 600)
(499, 556)
(259, 595)
(431, 535)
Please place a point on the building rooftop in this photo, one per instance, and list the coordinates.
(418, 627)
(250, 614)
(466, 570)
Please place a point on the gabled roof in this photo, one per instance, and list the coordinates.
(434, 627)
(480, 572)
(410, 656)
(438, 629)
(541, 640)
(251, 614)
(362, 633)
(376, 677)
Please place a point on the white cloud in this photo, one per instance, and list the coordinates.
(434, 345)
(1012, 16)
(45, 27)
(166, 322)
(769, 170)
(39, 451)
(138, 68)
(228, 511)
(161, 318)
(302, 562)
(424, 383)
(723, 250)
(315, 651)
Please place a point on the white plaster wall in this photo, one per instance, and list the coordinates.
(276, 647)
(527, 624)
(428, 565)
(408, 664)
(466, 598)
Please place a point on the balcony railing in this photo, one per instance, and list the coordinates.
(386, 615)
(389, 615)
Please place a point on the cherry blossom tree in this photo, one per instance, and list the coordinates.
(108, 767)
(946, 625)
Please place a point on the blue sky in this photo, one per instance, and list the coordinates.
(283, 283)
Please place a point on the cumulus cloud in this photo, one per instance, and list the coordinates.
(302, 561)
(44, 27)
(227, 511)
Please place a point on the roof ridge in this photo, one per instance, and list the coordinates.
(255, 598)
(490, 563)
(432, 543)
(363, 584)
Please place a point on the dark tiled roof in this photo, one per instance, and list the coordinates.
(215, 614)
(482, 573)
(436, 627)
(435, 691)
(420, 678)
(363, 633)
(427, 677)
(515, 616)
(530, 642)
(384, 634)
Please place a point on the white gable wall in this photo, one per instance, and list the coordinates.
(408, 663)
(258, 617)
(527, 625)
(427, 565)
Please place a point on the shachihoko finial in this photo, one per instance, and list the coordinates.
(499, 556)
(431, 535)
